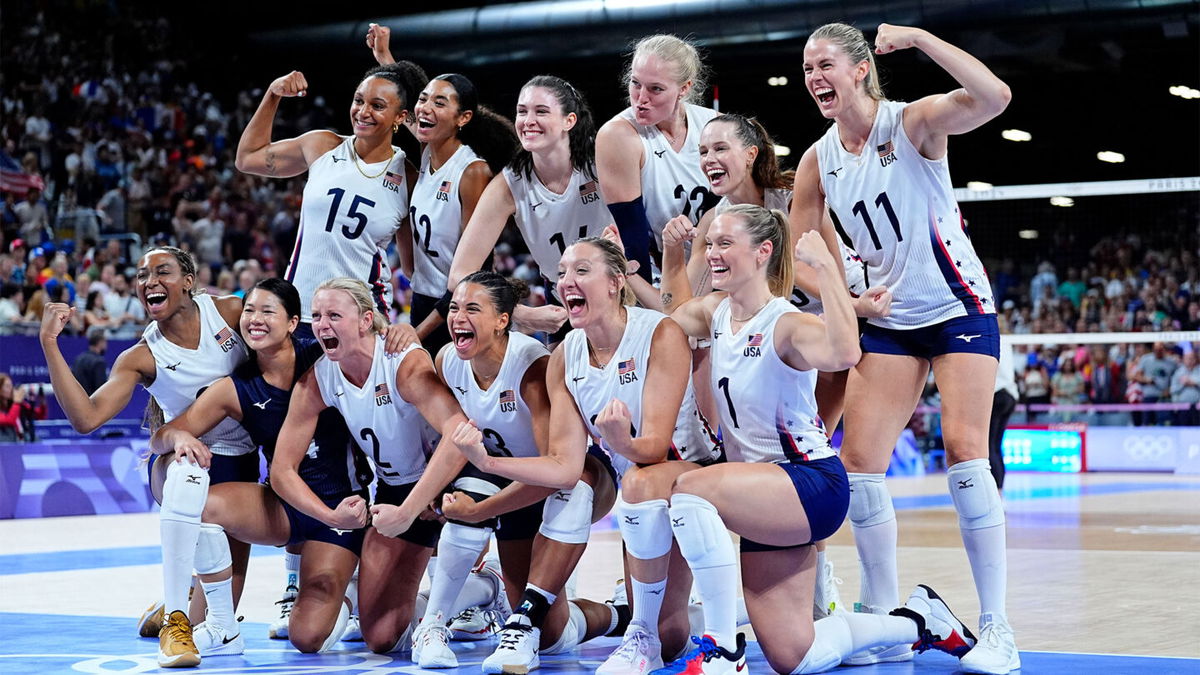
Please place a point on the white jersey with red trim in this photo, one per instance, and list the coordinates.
(437, 219)
(899, 211)
(347, 221)
(624, 378)
(768, 409)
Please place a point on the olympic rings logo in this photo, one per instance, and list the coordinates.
(1149, 448)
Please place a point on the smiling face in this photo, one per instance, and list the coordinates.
(376, 108)
(337, 323)
(474, 323)
(264, 322)
(437, 112)
(541, 124)
(654, 92)
(162, 286)
(724, 158)
(732, 255)
(831, 77)
(586, 284)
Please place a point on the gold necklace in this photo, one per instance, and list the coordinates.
(354, 156)
(593, 351)
(752, 315)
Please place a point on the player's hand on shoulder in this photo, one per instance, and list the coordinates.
(398, 337)
(292, 84)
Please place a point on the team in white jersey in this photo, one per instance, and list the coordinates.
(882, 169)
(437, 219)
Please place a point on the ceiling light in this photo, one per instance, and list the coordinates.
(1184, 92)
(1110, 157)
(978, 186)
(780, 81)
(1028, 234)
(1016, 135)
(1061, 201)
(782, 151)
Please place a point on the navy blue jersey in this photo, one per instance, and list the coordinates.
(333, 465)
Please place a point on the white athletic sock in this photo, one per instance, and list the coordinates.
(219, 596)
(291, 564)
(875, 540)
(431, 568)
(647, 603)
(476, 591)
(706, 546)
(842, 634)
(458, 548)
(981, 522)
(179, 551)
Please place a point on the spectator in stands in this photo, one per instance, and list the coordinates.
(1185, 388)
(60, 276)
(1045, 279)
(94, 314)
(1155, 371)
(90, 367)
(1035, 385)
(10, 302)
(1105, 381)
(125, 312)
(34, 218)
(10, 222)
(11, 398)
(1073, 288)
(1067, 388)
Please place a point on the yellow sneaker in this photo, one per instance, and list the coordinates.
(152, 620)
(175, 646)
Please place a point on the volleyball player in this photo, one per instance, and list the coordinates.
(387, 403)
(882, 170)
(191, 341)
(257, 396)
(765, 357)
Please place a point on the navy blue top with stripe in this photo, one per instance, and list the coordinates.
(333, 465)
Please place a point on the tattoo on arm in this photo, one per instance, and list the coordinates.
(667, 298)
(270, 162)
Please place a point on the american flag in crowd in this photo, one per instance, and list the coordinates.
(625, 367)
(14, 179)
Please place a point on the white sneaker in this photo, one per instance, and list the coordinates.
(639, 653)
(479, 623)
(472, 624)
(213, 641)
(431, 646)
(517, 653)
(278, 629)
(937, 627)
(499, 609)
(353, 632)
(996, 651)
(826, 597)
(885, 654)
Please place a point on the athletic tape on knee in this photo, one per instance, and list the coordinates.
(573, 631)
(212, 550)
(701, 533)
(973, 491)
(567, 516)
(870, 501)
(646, 528)
(184, 492)
(832, 642)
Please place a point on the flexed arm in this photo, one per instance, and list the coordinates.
(256, 154)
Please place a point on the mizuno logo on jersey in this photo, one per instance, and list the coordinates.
(966, 338)
(226, 339)
(382, 397)
(836, 171)
(263, 405)
(659, 153)
(533, 207)
(461, 390)
(337, 159)
(443, 193)
(887, 153)
(753, 345)
(627, 371)
(339, 532)
(508, 401)
(172, 366)
(589, 192)
(576, 380)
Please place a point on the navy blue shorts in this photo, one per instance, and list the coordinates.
(520, 524)
(226, 468)
(306, 528)
(422, 532)
(824, 492)
(978, 334)
(606, 461)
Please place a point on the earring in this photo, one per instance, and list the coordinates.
(395, 128)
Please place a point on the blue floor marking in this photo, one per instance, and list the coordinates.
(32, 644)
(1051, 492)
(61, 561)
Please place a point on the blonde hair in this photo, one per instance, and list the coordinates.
(360, 293)
(855, 45)
(763, 225)
(614, 262)
(685, 56)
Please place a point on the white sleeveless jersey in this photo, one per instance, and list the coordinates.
(624, 378)
(550, 222)
(436, 218)
(180, 374)
(500, 410)
(899, 211)
(856, 282)
(346, 223)
(768, 409)
(673, 182)
(388, 429)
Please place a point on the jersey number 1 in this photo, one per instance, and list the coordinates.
(860, 209)
(559, 240)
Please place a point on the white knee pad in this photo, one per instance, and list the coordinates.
(212, 550)
(572, 633)
(339, 627)
(701, 533)
(831, 644)
(184, 492)
(646, 528)
(567, 516)
(973, 491)
(870, 501)
(465, 537)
